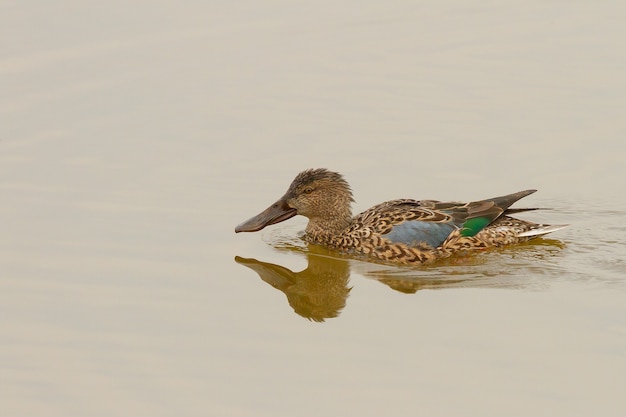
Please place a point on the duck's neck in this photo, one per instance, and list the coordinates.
(323, 230)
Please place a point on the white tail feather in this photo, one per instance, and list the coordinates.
(542, 230)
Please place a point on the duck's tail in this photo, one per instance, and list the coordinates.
(542, 229)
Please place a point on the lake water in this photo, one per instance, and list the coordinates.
(135, 136)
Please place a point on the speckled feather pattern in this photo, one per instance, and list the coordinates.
(366, 233)
(325, 198)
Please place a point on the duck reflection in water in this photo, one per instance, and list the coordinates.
(317, 293)
(320, 291)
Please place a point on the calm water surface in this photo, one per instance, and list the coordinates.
(134, 137)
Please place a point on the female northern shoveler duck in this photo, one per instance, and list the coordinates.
(402, 231)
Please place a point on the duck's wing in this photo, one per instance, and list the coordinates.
(431, 222)
(411, 222)
(418, 232)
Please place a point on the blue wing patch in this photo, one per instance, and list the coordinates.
(412, 232)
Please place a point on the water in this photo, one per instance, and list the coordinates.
(134, 137)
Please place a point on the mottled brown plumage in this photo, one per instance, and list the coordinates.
(401, 231)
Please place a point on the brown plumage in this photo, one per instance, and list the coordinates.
(400, 231)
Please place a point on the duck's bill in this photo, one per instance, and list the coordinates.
(276, 213)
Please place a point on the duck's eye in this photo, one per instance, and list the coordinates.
(308, 190)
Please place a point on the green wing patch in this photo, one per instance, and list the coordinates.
(473, 226)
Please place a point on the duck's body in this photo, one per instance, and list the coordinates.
(400, 231)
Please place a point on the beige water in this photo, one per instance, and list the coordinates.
(135, 136)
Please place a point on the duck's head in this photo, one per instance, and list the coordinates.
(319, 194)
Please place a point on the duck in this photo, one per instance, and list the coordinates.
(404, 231)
